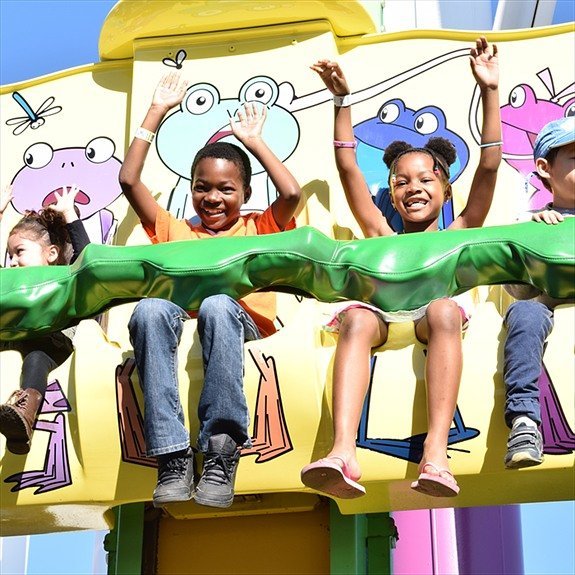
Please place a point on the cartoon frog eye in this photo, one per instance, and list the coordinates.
(389, 112)
(570, 110)
(201, 99)
(426, 123)
(100, 150)
(259, 89)
(38, 155)
(517, 97)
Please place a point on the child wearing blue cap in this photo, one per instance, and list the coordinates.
(529, 321)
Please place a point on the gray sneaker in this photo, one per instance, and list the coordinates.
(175, 478)
(216, 485)
(524, 447)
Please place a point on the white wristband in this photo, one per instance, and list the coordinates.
(342, 101)
(143, 134)
(491, 144)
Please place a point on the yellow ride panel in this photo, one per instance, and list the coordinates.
(88, 450)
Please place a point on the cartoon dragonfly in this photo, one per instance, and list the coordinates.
(32, 119)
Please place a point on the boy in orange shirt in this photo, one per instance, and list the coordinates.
(220, 185)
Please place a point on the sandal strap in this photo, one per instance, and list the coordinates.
(439, 470)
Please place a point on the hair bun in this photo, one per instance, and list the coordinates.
(394, 149)
(443, 148)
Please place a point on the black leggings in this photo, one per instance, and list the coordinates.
(39, 357)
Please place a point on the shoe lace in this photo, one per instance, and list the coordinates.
(172, 469)
(18, 399)
(218, 468)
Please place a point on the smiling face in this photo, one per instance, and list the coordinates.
(418, 191)
(25, 251)
(218, 193)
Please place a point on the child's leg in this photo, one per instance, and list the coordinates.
(155, 330)
(528, 323)
(18, 415)
(223, 328)
(440, 328)
(360, 330)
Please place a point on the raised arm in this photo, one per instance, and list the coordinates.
(169, 93)
(65, 204)
(248, 130)
(369, 217)
(485, 67)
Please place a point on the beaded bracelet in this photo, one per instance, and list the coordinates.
(143, 134)
(491, 144)
(342, 144)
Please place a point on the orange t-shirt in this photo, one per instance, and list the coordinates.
(260, 306)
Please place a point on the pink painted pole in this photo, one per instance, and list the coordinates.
(427, 543)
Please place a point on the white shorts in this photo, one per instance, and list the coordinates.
(334, 323)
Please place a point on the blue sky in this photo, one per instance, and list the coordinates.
(38, 37)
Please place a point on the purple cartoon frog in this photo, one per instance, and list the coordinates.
(94, 169)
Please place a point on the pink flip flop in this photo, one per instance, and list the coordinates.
(436, 484)
(327, 475)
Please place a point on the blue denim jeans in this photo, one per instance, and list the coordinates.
(528, 323)
(155, 330)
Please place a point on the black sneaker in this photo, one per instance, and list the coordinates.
(175, 478)
(524, 447)
(216, 485)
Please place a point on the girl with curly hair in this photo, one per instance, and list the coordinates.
(53, 236)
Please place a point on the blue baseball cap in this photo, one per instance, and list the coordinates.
(554, 135)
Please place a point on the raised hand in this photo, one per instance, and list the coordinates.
(169, 91)
(6, 196)
(249, 123)
(332, 77)
(485, 64)
(65, 203)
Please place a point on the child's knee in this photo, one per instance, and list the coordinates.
(148, 311)
(358, 322)
(215, 305)
(444, 314)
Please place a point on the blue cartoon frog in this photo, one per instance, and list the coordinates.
(203, 118)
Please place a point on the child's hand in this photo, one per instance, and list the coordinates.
(169, 91)
(65, 203)
(548, 216)
(485, 64)
(6, 196)
(249, 122)
(332, 77)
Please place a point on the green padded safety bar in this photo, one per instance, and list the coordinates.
(394, 273)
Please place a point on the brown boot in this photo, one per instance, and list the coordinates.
(17, 417)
